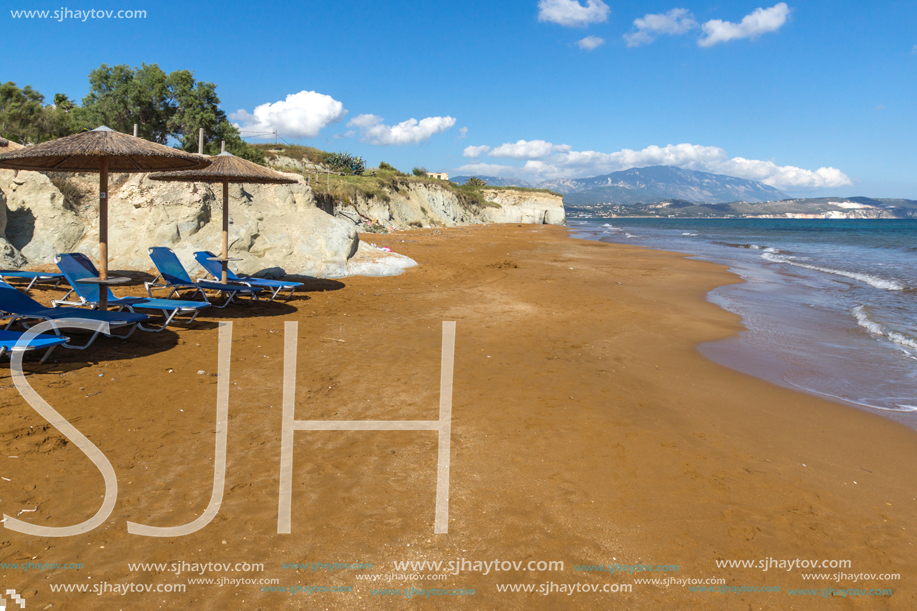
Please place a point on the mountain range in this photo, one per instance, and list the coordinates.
(648, 185)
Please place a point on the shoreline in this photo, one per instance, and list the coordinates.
(586, 428)
(804, 344)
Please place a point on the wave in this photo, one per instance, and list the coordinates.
(901, 407)
(689, 234)
(733, 245)
(873, 281)
(629, 235)
(875, 328)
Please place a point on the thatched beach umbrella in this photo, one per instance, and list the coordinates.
(101, 150)
(226, 168)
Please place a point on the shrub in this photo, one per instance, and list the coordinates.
(376, 228)
(474, 181)
(299, 153)
(346, 162)
(420, 171)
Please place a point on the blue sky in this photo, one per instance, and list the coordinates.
(815, 98)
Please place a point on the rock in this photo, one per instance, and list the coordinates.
(271, 273)
(371, 261)
(271, 226)
(417, 204)
(274, 229)
(524, 207)
(35, 208)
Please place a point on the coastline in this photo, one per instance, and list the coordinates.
(587, 428)
(824, 306)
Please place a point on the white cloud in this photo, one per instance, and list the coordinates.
(463, 132)
(648, 27)
(784, 177)
(528, 149)
(914, 50)
(571, 13)
(551, 161)
(301, 115)
(760, 21)
(475, 151)
(590, 43)
(491, 169)
(412, 131)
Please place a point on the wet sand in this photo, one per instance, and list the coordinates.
(586, 428)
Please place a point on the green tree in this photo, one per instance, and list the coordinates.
(120, 96)
(19, 110)
(166, 107)
(474, 181)
(419, 171)
(63, 103)
(24, 117)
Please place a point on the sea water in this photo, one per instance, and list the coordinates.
(830, 306)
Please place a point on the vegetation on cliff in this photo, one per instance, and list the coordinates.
(375, 183)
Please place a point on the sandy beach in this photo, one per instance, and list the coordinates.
(586, 429)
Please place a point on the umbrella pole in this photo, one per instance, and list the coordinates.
(103, 231)
(225, 230)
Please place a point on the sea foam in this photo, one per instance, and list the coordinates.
(875, 328)
(873, 281)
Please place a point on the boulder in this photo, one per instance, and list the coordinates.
(37, 221)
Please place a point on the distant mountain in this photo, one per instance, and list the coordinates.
(657, 183)
(817, 207)
(494, 181)
(648, 185)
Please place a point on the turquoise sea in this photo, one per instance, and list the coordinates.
(830, 306)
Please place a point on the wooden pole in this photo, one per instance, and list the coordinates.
(103, 231)
(225, 230)
(200, 141)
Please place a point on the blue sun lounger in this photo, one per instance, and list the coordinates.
(77, 266)
(21, 308)
(175, 277)
(8, 340)
(35, 277)
(216, 270)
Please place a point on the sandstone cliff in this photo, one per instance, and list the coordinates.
(274, 229)
(422, 204)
